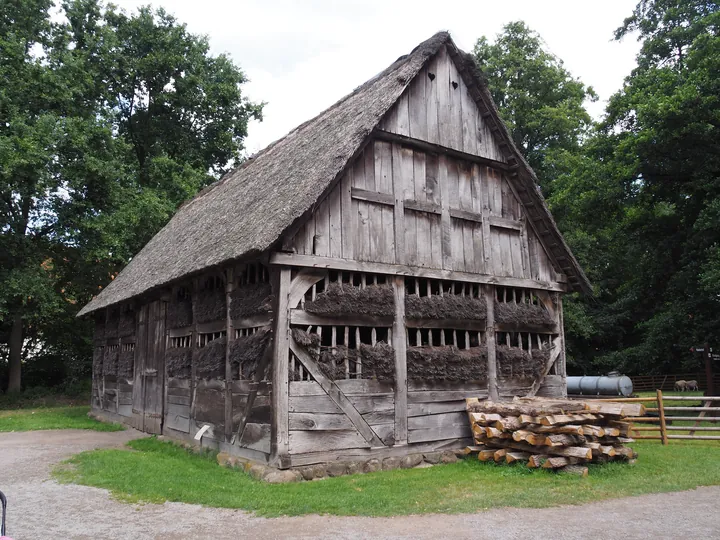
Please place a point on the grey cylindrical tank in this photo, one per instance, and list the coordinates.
(618, 385)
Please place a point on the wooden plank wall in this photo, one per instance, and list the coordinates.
(438, 108)
(357, 220)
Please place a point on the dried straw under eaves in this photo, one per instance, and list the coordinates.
(375, 300)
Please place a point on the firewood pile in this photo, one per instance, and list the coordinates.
(563, 435)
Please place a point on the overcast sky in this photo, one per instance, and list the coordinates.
(302, 56)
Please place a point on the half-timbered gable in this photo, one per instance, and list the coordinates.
(339, 295)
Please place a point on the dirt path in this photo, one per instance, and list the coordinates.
(41, 509)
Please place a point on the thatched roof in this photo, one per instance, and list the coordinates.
(247, 210)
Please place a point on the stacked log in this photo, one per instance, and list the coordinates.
(562, 435)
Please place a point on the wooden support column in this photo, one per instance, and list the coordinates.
(490, 341)
(194, 291)
(280, 381)
(560, 320)
(229, 336)
(399, 338)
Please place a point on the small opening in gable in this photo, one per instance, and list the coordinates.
(431, 76)
(454, 85)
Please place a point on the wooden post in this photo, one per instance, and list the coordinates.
(194, 290)
(280, 380)
(228, 364)
(490, 340)
(400, 345)
(661, 410)
(710, 386)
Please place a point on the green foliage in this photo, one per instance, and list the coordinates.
(539, 100)
(108, 122)
(158, 471)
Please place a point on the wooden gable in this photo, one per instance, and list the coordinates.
(430, 190)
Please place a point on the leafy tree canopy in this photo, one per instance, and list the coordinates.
(108, 121)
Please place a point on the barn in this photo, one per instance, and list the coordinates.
(341, 293)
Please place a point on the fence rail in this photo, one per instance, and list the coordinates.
(638, 432)
(647, 383)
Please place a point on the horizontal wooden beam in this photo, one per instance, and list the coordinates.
(252, 322)
(424, 146)
(534, 328)
(431, 208)
(313, 261)
(300, 317)
(211, 327)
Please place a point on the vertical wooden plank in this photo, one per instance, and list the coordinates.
(561, 362)
(479, 245)
(349, 215)
(280, 383)
(469, 121)
(443, 98)
(488, 254)
(335, 208)
(398, 182)
(399, 340)
(490, 341)
(373, 182)
(524, 249)
(407, 158)
(432, 194)
(402, 126)
(321, 246)
(445, 223)
(229, 338)
(431, 99)
(455, 94)
(457, 245)
(425, 190)
(384, 184)
(364, 178)
(417, 107)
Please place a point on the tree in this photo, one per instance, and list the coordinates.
(108, 121)
(648, 199)
(542, 104)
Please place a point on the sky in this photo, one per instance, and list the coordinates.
(302, 56)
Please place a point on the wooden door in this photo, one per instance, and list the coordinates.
(148, 390)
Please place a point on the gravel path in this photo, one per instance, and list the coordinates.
(40, 508)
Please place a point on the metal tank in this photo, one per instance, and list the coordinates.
(610, 385)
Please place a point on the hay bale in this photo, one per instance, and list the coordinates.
(250, 300)
(110, 362)
(522, 314)
(378, 361)
(126, 364)
(375, 300)
(513, 362)
(447, 363)
(209, 306)
(306, 339)
(180, 314)
(445, 307)
(126, 324)
(246, 352)
(210, 360)
(98, 358)
(178, 361)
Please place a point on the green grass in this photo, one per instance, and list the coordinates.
(158, 471)
(52, 418)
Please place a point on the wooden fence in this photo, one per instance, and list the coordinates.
(647, 383)
(659, 425)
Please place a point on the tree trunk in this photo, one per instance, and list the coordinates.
(16, 342)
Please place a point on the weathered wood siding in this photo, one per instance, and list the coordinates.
(438, 108)
(440, 225)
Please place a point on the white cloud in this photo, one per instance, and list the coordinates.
(302, 56)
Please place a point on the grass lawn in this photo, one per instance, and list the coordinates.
(52, 418)
(159, 471)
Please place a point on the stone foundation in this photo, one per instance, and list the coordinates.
(336, 468)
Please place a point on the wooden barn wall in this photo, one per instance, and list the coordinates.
(403, 206)
(438, 108)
